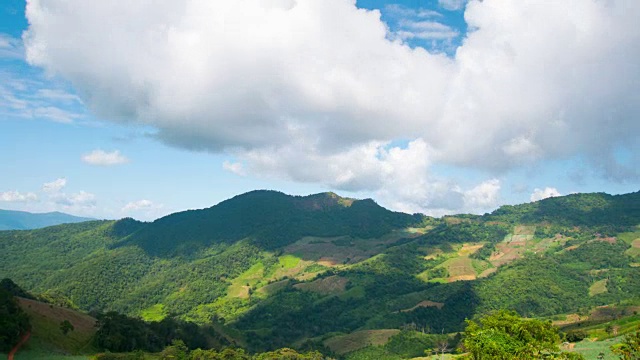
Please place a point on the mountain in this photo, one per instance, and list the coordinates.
(271, 220)
(22, 220)
(270, 270)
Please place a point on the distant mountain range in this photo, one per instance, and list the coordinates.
(22, 220)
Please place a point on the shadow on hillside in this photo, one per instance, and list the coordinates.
(294, 315)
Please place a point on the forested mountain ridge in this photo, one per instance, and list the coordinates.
(271, 220)
(22, 220)
(274, 270)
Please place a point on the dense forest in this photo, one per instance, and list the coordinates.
(266, 271)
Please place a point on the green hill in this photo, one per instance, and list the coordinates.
(47, 338)
(270, 220)
(22, 220)
(269, 270)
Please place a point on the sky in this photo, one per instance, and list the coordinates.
(139, 109)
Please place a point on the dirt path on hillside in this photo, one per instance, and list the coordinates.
(18, 345)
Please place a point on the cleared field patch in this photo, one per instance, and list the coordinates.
(153, 313)
(603, 322)
(460, 268)
(468, 249)
(545, 244)
(240, 286)
(634, 250)
(591, 349)
(425, 303)
(331, 285)
(570, 319)
(598, 287)
(629, 237)
(46, 335)
(507, 252)
(288, 261)
(518, 239)
(291, 269)
(487, 272)
(480, 266)
(343, 344)
(273, 288)
(341, 250)
(524, 230)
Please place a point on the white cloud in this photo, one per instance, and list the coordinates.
(54, 186)
(539, 194)
(138, 205)
(10, 47)
(80, 199)
(103, 158)
(315, 90)
(234, 167)
(144, 209)
(452, 4)
(401, 11)
(425, 30)
(54, 113)
(25, 98)
(57, 95)
(483, 197)
(15, 196)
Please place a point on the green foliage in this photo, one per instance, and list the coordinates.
(629, 349)
(485, 252)
(119, 333)
(505, 335)
(13, 321)
(575, 335)
(66, 326)
(410, 344)
(595, 210)
(119, 356)
(176, 351)
(535, 286)
(598, 255)
(373, 352)
(288, 354)
(467, 231)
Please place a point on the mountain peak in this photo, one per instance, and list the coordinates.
(270, 219)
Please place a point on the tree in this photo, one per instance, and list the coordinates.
(66, 326)
(13, 321)
(442, 347)
(505, 335)
(630, 347)
(176, 351)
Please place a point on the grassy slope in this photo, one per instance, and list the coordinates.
(47, 341)
(347, 343)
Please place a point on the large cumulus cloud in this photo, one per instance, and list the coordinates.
(316, 91)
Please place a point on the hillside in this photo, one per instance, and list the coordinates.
(46, 336)
(270, 220)
(270, 270)
(22, 220)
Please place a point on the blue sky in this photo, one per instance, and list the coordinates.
(425, 116)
